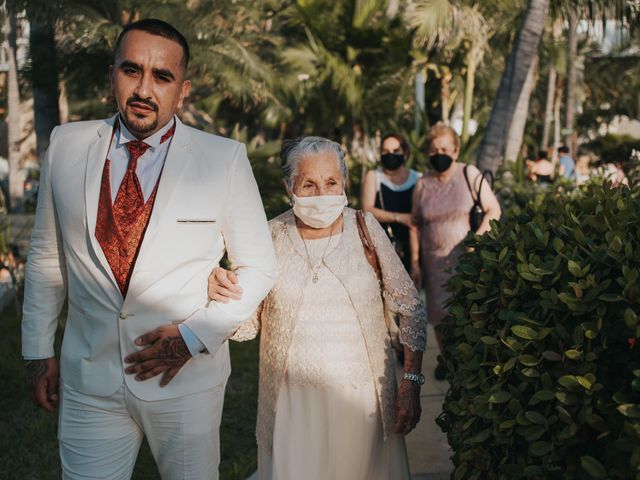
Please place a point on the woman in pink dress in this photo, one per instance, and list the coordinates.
(442, 201)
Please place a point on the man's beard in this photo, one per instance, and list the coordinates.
(141, 126)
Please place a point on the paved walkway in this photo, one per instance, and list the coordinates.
(427, 445)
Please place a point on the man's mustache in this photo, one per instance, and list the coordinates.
(147, 102)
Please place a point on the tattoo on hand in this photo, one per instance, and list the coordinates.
(36, 369)
(174, 351)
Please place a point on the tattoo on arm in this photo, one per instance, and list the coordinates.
(174, 351)
(36, 369)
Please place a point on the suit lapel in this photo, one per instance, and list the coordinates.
(96, 158)
(178, 159)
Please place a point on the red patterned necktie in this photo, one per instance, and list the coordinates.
(130, 199)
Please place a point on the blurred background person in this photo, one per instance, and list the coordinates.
(613, 172)
(583, 168)
(541, 169)
(567, 165)
(442, 202)
(387, 193)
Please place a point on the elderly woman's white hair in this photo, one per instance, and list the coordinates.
(295, 150)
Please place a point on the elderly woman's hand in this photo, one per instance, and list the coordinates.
(222, 286)
(408, 407)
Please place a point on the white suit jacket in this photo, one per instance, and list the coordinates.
(207, 201)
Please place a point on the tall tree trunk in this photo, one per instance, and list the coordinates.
(445, 95)
(519, 121)
(63, 101)
(420, 81)
(44, 80)
(548, 111)
(551, 90)
(556, 120)
(16, 185)
(572, 73)
(515, 73)
(472, 62)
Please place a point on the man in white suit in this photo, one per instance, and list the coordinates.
(133, 213)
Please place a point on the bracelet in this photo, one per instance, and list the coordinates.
(395, 217)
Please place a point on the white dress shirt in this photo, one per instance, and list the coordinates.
(149, 164)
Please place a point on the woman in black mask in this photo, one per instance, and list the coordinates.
(442, 203)
(387, 192)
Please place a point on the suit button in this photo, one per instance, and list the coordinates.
(122, 315)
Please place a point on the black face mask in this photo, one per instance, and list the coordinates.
(440, 162)
(391, 161)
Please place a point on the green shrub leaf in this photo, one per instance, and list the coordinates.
(573, 354)
(489, 340)
(629, 410)
(593, 467)
(539, 449)
(535, 417)
(569, 381)
(630, 319)
(500, 397)
(525, 332)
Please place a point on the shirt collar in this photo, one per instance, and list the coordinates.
(125, 136)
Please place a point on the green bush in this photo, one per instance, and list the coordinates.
(541, 342)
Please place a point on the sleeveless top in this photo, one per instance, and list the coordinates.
(396, 198)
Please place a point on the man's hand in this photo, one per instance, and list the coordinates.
(408, 409)
(42, 379)
(166, 354)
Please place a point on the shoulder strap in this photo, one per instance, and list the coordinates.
(466, 177)
(367, 243)
(486, 173)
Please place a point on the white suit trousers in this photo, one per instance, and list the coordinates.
(100, 437)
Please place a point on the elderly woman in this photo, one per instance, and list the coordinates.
(329, 406)
(442, 202)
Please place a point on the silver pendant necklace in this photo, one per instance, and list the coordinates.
(314, 271)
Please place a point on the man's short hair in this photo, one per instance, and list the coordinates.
(563, 149)
(542, 154)
(161, 29)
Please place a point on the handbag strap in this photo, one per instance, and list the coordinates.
(367, 243)
(476, 200)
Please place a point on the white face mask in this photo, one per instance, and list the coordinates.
(319, 211)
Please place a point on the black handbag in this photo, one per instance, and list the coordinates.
(476, 215)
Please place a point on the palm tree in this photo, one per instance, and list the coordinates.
(44, 72)
(551, 84)
(351, 53)
(570, 108)
(518, 64)
(513, 144)
(448, 26)
(16, 189)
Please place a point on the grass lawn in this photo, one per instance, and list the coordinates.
(28, 445)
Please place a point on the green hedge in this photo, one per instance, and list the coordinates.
(541, 342)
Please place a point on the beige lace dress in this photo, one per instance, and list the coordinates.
(327, 371)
